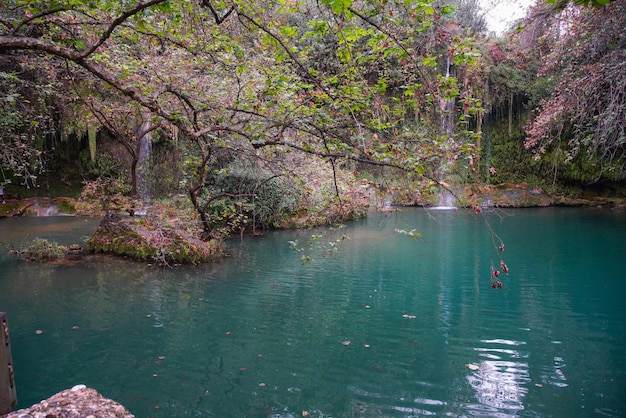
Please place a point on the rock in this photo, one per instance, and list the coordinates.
(143, 238)
(78, 402)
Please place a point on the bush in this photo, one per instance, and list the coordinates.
(267, 200)
(43, 250)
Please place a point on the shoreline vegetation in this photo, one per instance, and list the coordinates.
(157, 234)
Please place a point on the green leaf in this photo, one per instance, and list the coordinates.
(447, 10)
(338, 6)
(288, 31)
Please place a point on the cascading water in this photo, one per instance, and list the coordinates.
(144, 164)
(445, 198)
(447, 107)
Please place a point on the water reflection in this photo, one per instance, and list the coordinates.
(500, 382)
(259, 334)
(557, 377)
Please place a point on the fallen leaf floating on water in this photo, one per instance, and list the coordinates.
(472, 366)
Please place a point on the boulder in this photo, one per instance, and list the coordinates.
(78, 402)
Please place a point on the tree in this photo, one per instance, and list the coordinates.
(581, 126)
(240, 80)
(25, 122)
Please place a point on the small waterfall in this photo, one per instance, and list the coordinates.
(447, 107)
(144, 161)
(445, 198)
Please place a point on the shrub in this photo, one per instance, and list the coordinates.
(43, 250)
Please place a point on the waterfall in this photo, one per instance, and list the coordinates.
(445, 199)
(447, 108)
(144, 164)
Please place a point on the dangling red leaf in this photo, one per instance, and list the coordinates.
(504, 267)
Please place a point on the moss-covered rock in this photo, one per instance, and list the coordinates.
(523, 195)
(43, 250)
(146, 239)
(37, 206)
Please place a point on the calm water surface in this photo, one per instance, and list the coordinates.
(386, 327)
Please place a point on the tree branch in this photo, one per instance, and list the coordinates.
(218, 19)
(33, 17)
(117, 22)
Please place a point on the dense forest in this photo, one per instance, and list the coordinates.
(260, 114)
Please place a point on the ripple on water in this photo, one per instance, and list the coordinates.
(502, 377)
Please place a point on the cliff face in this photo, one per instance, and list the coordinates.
(78, 402)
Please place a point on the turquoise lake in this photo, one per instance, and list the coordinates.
(386, 326)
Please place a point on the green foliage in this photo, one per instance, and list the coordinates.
(65, 205)
(245, 84)
(255, 197)
(43, 250)
(579, 128)
(317, 244)
(226, 217)
(506, 160)
(561, 4)
(25, 121)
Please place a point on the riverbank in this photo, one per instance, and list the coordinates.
(161, 236)
(521, 195)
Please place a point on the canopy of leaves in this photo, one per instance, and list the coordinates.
(585, 116)
(339, 80)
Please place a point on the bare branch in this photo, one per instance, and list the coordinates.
(218, 19)
(33, 17)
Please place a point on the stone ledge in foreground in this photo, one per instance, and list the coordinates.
(78, 402)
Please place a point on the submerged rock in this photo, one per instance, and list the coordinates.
(78, 402)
